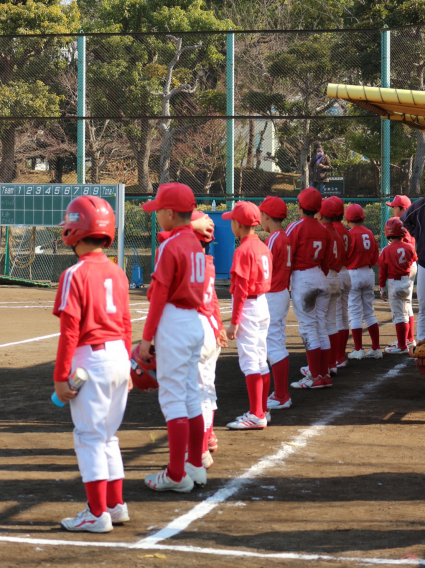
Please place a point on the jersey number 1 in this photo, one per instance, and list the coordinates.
(110, 306)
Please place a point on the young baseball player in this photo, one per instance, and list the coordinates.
(273, 212)
(311, 250)
(394, 267)
(175, 294)
(250, 281)
(362, 256)
(399, 205)
(342, 321)
(93, 306)
(214, 339)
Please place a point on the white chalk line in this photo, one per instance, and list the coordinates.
(235, 485)
(217, 551)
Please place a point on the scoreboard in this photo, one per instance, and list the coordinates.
(44, 205)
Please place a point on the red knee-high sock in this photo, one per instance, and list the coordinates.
(280, 377)
(324, 362)
(313, 359)
(254, 384)
(334, 339)
(346, 336)
(196, 439)
(96, 496)
(357, 338)
(266, 390)
(205, 441)
(114, 493)
(178, 436)
(374, 335)
(402, 329)
(411, 334)
(341, 345)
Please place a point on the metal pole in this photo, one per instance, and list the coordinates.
(230, 111)
(385, 133)
(81, 111)
(121, 210)
(7, 254)
(153, 240)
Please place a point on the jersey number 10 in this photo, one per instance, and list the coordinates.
(198, 267)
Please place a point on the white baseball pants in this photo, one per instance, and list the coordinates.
(98, 409)
(413, 273)
(398, 296)
(310, 299)
(342, 302)
(178, 343)
(420, 290)
(361, 297)
(251, 337)
(278, 303)
(335, 294)
(206, 372)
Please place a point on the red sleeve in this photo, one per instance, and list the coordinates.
(383, 270)
(158, 297)
(240, 294)
(216, 311)
(68, 341)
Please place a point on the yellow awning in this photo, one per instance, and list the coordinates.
(402, 105)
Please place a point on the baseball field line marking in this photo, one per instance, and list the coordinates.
(236, 484)
(219, 551)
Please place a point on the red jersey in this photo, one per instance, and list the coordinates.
(251, 273)
(363, 249)
(280, 247)
(410, 240)
(211, 307)
(344, 233)
(178, 277)
(337, 249)
(93, 304)
(395, 261)
(310, 244)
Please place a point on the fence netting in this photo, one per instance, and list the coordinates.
(155, 111)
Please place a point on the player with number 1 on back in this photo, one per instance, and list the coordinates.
(93, 305)
(361, 257)
(251, 274)
(175, 293)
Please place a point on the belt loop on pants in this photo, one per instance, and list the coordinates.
(98, 347)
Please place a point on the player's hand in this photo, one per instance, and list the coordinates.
(232, 330)
(130, 384)
(384, 295)
(204, 225)
(65, 392)
(222, 338)
(144, 350)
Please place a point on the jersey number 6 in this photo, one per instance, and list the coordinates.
(366, 242)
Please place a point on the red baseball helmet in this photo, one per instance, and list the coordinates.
(143, 373)
(88, 216)
(394, 228)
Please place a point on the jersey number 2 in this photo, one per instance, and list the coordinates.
(111, 308)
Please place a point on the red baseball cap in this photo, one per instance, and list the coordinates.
(329, 208)
(339, 204)
(400, 201)
(310, 199)
(246, 213)
(175, 196)
(204, 238)
(354, 212)
(275, 207)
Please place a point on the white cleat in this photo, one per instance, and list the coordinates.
(274, 403)
(207, 460)
(309, 383)
(86, 521)
(197, 474)
(342, 364)
(248, 422)
(161, 482)
(119, 514)
(304, 371)
(333, 371)
(374, 354)
(359, 354)
(396, 350)
(268, 416)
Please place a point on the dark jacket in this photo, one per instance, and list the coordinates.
(414, 221)
(318, 174)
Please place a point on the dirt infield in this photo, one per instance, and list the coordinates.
(337, 480)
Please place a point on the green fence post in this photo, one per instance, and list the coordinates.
(153, 240)
(7, 255)
(385, 133)
(230, 111)
(81, 110)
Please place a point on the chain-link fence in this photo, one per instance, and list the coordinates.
(156, 110)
